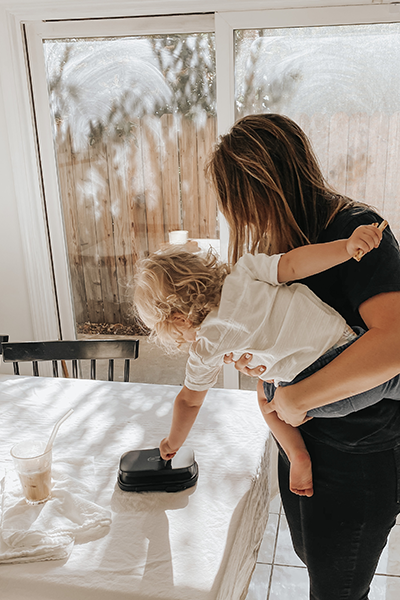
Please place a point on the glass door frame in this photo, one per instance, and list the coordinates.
(35, 33)
(223, 24)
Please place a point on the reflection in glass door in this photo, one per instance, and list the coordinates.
(341, 84)
(133, 121)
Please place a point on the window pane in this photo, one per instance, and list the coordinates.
(134, 120)
(341, 85)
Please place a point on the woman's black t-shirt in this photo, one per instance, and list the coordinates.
(345, 287)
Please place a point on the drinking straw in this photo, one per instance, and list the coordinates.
(56, 428)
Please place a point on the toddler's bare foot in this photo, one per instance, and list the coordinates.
(301, 481)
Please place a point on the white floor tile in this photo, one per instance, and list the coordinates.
(385, 588)
(258, 588)
(285, 555)
(289, 583)
(389, 563)
(292, 582)
(275, 506)
(266, 552)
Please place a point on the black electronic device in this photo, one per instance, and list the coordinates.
(146, 471)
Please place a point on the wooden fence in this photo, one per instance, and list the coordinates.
(121, 200)
(360, 156)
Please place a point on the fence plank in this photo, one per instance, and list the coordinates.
(189, 178)
(206, 138)
(357, 160)
(151, 152)
(337, 153)
(303, 121)
(122, 230)
(377, 153)
(88, 238)
(71, 224)
(319, 135)
(104, 231)
(170, 172)
(136, 192)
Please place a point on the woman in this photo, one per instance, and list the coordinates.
(274, 197)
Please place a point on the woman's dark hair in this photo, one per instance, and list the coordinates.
(270, 188)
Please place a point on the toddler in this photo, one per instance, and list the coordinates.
(190, 298)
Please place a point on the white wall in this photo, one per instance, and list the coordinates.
(15, 314)
(27, 310)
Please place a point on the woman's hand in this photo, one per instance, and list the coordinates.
(286, 408)
(282, 405)
(166, 452)
(241, 365)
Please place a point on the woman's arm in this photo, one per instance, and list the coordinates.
(186, 408)
(368, 362)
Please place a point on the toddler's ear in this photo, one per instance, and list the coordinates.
(180, 320)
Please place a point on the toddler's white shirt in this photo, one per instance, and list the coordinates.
(284, 327)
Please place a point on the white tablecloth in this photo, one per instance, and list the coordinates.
(198, 544)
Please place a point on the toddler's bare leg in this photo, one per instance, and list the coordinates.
(301, 481)
(292, 442)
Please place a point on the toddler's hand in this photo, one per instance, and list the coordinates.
(364, 239)
(166, 452)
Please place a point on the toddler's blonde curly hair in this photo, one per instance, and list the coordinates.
(175, 282)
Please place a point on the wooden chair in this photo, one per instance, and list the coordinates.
(92, 350)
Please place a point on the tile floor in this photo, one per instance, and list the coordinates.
(280, 574)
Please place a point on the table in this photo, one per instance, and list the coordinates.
(199, 544)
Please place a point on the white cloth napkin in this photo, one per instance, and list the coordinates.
(48, 531)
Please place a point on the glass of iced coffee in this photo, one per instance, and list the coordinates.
(33, 465)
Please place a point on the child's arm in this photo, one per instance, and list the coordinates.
(186, 407)
(291, 440)
(312, 259)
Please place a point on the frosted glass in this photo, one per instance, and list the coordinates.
(318, 69)
(134, 119)
(341, 84)
(106, 82)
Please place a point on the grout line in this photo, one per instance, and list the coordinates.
(274, 554)
(295, 566)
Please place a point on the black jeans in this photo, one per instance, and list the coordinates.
(340, 532)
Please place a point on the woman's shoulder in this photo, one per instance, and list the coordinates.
(348, 219)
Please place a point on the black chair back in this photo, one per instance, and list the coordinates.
(92, 350)
(3, 338)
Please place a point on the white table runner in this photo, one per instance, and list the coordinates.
(199, 544)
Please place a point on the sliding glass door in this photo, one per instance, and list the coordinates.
(133, 118)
